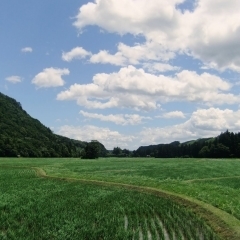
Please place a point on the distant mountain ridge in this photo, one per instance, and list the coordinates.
(22, 135)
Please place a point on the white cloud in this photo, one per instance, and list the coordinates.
(203, 123)
(136, 89)
(50, 77)
(127, 15)
(214, 33)
(108, 138)
(104, 57)
(119, 119)
(174, 114)
(144, 52)
(216, 119)
(160, 67)
(14, 79)
(27, 49)
(138, 54)
(210, 32)
(75, 53)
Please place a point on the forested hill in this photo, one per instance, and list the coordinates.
(225, 145)
(22, 135)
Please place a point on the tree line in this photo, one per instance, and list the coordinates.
(226, 145)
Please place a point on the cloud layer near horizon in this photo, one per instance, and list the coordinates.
(202, 123)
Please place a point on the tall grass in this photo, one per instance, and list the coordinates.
(169, 174)
(39, 208)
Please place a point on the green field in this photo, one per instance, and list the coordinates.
(120, 199)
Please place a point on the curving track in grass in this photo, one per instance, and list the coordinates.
(224, 224)
(227, 226)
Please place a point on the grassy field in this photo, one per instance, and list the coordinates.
(167, 194)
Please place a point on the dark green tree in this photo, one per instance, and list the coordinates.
(219, 151)
(204, 152)
(126, 152)
(117, 151)
(92, 150)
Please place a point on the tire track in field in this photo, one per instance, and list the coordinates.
(222, 223)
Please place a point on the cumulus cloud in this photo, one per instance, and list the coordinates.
(105, 57)
(203, 123)
(137, 54)
(75, 53)
(145, 52)
(27, 50)
(174, 114)
(110, 139)
(136, 89)
(216, 119)
(127, 15)
(215, 32)
(14, 79)
(210, 32)
(119, 119)
(50, 77)
(160, 67)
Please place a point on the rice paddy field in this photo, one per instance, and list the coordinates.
(130, 198)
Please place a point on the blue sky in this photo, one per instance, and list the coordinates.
(127, 73)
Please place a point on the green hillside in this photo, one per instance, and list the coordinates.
(200, 140)
(22, 135)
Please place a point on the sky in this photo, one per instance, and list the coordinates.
(127, 73)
